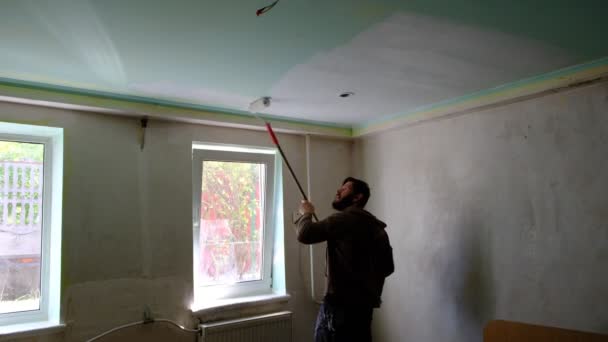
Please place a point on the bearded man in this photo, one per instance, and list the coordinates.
(359, 258)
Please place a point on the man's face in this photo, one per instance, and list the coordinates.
(344, 197)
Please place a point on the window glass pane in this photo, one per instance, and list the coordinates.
(20, 225)
(232, 220)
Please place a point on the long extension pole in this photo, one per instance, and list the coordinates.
(275, 141)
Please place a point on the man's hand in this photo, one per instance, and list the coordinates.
(306, 208)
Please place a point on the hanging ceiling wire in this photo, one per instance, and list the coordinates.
(266, 9)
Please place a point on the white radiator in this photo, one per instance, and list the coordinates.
(275, 327)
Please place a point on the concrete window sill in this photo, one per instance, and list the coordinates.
(239, 303)
(11, 332)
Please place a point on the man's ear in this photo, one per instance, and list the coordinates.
(357, 198)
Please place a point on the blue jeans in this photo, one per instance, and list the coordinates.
(337, 323)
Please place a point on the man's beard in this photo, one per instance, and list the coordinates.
(343, 203)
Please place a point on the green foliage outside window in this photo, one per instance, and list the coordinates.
(232, 192)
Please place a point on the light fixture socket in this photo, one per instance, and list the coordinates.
(260, 104)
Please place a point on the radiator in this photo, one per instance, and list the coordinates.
(275, 327)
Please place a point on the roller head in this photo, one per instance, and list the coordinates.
(272, 136)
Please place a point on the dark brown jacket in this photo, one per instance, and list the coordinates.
(359, 255)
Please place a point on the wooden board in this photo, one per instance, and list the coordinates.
(505, 331)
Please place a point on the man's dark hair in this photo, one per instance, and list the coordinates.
(359, 187)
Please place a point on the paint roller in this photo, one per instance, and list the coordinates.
(254, 108)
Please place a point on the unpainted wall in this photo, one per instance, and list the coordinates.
(497, 214)
(127, 217)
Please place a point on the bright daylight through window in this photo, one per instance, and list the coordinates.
(233, 221)
(30, 226)
(21, 181)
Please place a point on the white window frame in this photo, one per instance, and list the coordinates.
(231, 153)
(48, 313)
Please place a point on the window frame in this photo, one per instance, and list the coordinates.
(245, 154)
(50, 253)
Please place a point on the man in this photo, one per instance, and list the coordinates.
(359, 257)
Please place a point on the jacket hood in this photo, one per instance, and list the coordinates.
(367, 216)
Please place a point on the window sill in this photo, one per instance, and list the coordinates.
(239, 303)
(10, 332)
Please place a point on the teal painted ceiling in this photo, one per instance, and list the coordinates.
(394, 55)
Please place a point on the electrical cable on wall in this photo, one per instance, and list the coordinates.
(144, 125)
(148, 321)
(313, 292)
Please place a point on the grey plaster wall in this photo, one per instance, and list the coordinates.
(127, 222)
(498, 214)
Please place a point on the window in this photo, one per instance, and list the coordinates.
(233, 221)
(30, 224)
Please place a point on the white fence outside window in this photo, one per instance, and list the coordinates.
(20, 232)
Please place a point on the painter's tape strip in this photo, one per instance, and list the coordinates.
(512, 91)
(107, 103)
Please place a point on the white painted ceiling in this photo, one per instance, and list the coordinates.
(394, 56)
(408, 61)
